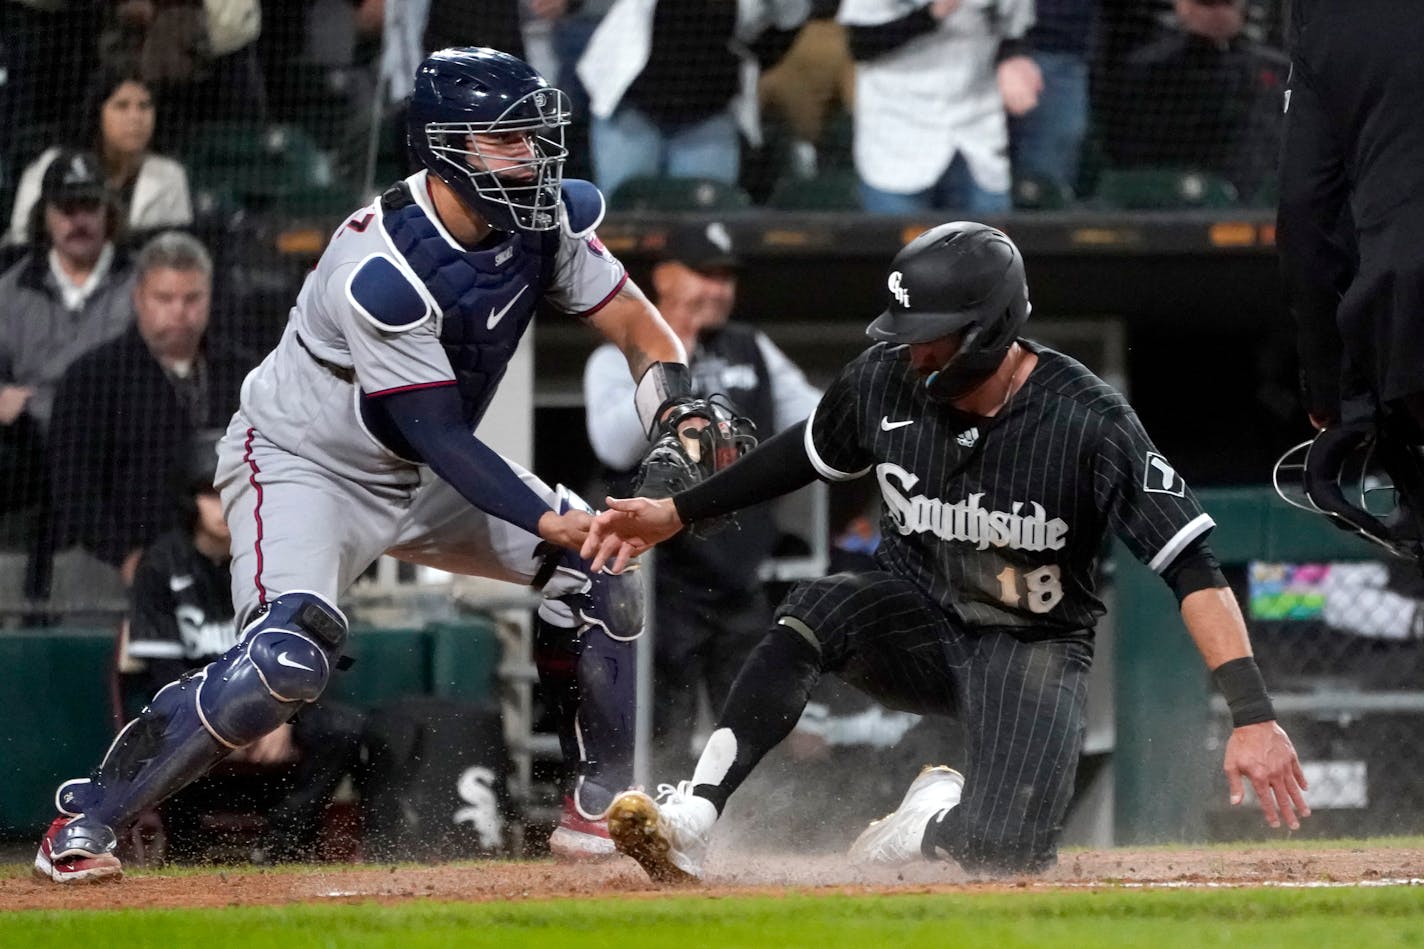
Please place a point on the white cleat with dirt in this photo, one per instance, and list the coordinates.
(895, 839)
(668, 836)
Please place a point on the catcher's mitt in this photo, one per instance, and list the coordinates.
(697, 439)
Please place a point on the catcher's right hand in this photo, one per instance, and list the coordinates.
(695, 439)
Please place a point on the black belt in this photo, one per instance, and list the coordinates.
(345, 373)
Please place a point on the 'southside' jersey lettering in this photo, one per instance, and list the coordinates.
(965, 520)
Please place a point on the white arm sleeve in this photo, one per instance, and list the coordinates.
(793, 396)
(614, 432)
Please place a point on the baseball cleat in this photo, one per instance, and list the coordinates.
(896, 838)
(77, 851)
(668, 837)
(580, 839)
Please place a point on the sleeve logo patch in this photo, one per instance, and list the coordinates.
(1159, 477)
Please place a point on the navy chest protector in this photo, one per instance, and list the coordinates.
(487, 299)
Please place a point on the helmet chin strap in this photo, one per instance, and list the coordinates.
(971, 386)
(966, 370)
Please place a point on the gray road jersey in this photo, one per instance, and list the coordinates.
(304, 408)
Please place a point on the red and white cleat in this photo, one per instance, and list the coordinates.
(82, 853)
(580, 839)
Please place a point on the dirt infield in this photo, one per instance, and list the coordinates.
(621, 879)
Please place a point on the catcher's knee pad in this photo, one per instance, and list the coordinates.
(283, 661)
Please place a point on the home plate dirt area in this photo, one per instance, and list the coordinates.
(728, 874)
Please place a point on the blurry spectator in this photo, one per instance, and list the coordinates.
(46, 43)
(180, 620)
(932, 87)
(1201, 95)
(318, 59)
(492, 23)
(711, 610)
(812, 82)
(198, 56)
(670, 84)
(117, 123)
(123, 409)
(67, 295)
(1046, 142)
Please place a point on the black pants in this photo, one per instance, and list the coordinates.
(1021, 704)
(702, 637)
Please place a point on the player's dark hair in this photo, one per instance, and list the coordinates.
(194, 465)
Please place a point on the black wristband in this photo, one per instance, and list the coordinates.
(1240, 683)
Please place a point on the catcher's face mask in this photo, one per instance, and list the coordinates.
(1366, 482)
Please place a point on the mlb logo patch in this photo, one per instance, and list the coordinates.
(595, 247)
(1159, 477)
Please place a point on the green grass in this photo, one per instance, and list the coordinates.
(1101, 918)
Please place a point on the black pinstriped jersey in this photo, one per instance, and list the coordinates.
(1002, 520)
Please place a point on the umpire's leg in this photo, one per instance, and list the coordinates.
(875, 629)
(1022, 706)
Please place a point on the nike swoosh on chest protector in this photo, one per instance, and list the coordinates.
(497, 315)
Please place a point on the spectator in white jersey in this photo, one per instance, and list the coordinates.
(710, 606)
(1002, 466)
(932, 90)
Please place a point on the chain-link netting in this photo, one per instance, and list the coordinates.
(1341, 646)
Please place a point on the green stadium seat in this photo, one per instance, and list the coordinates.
(276, 168)
(671, 193)
(1163, 189)
(830, 191)
(1040, 193)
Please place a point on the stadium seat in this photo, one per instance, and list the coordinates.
(1040, 193)
(828, 191)
(1163, 189)
(669, 193)
(276, 168)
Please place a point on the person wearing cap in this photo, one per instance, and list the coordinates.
(67, 295)
(710, 606)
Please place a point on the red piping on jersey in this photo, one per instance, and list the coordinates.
(256, 514)
(606, 300)
(411, 388)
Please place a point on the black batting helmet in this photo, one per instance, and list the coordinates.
(960, 277)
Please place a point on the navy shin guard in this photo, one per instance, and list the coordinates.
(587, 661)
(282, 662)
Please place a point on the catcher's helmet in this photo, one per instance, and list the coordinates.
(1364, 480)
(959, 277)
(462, 93)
